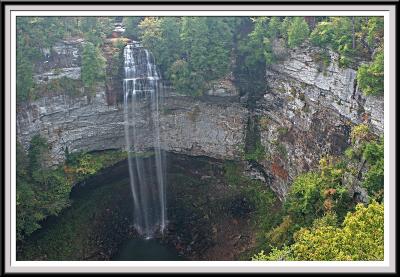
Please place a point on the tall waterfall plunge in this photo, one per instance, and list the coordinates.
(142, 96)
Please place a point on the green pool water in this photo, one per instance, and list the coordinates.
(146, 250)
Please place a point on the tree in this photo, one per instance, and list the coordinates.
(93, 67)
(304, 201)
(162, 36)
(253, 48)
(24, 77)
(220, 36)
(132, 24)
(360, 238)
(298, 32)
(195, 42)
(274, 27)
(37, 155)
(370, 77)
(36, 35)
(150, 32)
(368, 151)
(41, 191)
(374, 29)
(349, 36)
(96, 29)
(192, 51)
(323, 34)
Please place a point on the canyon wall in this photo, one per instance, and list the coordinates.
(307, 111)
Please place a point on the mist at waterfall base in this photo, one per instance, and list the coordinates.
(142, 90)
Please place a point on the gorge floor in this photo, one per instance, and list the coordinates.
(209, 218)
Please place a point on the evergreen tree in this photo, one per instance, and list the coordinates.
(298, 32)
(93, 67)
(132, 24)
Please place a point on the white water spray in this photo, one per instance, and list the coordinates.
(143, 90)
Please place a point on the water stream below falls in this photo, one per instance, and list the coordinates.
(142, 92)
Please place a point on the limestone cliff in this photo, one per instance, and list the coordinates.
(306, 111)
(188, 125)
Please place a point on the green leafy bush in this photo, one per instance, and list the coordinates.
(43, 190)
(370, 77)
(360, 238)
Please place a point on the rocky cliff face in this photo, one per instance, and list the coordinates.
(189, 126)
(306, 112)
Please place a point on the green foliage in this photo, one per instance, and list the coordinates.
(366, 148)
(38, 151)
(314, 194)
(191, 51)
(336, 33)
(81, 165)
(281, 235)
(150, 32)
(96, 29)
(206, 44)
(114, 67)
(265, 207)
(37, 34)
(298, 32)
(162, 36)
(257, 47)
(318, 202)
(304, 201)
(373, 151)
(42, 190)
(24, 77)
(181, 76)
(58, 86)
(349, 36)
(373, 180)
(93, 67)
(370, 77)
(80, 227)
(257, 153)
(132, 24)
(275, 255)
(323, 59)
(323, 34)
(232, 174)
(374, 29)
(360, 238)
(359, 133)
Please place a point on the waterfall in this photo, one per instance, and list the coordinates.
(142, 96)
